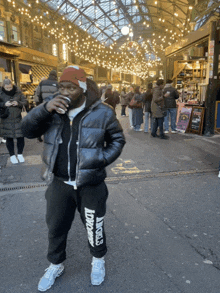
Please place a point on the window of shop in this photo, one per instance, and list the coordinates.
(54, 49)
(15, 34)
(2, 31)
(65, 52)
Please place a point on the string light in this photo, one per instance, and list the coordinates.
(135, 62)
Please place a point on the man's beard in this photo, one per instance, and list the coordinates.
(74, 103)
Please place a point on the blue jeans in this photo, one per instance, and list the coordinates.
(171, 112)
(146, 121)
(137, 127)
(130, 112)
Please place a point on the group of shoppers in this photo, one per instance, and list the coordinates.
(157, 104)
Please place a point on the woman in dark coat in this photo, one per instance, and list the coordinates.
(13, 99)
(124, 102)
(137, 117)
(147, 99)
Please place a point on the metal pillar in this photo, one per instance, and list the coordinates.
(213, 82)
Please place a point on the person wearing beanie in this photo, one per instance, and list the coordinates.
(81, 137)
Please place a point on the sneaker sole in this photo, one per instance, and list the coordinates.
(98, 283)
(58, 275)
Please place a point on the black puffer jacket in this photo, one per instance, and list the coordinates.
(11, 126)
(100, 138)
(46, 88)
(170, 101)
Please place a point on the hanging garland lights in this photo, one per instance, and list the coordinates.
(130, 60)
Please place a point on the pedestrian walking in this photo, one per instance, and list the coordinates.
(111, 98)
(157, 108)
(128, 98)
(147, 99)
(124, 102)
(12, 102)
(137, 116)
(170, 96)
(46, 88)
(81, 138)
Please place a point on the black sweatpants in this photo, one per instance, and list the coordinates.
(10, 145)
(62, 201)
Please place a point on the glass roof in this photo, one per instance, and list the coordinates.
(104, 19)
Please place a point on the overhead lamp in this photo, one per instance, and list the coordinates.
(131, 34)
(125, 30)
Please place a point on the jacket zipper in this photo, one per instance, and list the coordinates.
(68, 150)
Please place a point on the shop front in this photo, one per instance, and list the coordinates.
(188, 65)
(8, 58)
(33, 66)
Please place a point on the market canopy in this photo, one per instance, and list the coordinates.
(167, 20)
(100, 37)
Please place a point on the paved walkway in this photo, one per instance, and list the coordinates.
(162, 220)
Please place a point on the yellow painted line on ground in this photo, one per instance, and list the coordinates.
(123, 170)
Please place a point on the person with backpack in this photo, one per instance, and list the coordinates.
(47, 87)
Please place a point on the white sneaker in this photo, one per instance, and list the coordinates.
(139, 129)
(166, 131)
(98, 271)
(20, 158)
(48, 279)
(219, 174)
(3, 140)
(173, 131)
(13, 159)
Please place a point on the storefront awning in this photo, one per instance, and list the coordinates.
(9, 51)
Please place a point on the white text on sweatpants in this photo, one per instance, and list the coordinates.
(89, 216)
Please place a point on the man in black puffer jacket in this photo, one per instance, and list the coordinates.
(81, 138)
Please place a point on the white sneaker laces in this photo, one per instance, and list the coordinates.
(97, 265)
(50, 272)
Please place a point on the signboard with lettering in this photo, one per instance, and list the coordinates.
(196, 121)
(184, 118)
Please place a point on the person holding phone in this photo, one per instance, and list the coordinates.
(81, 137)
(12, 98)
